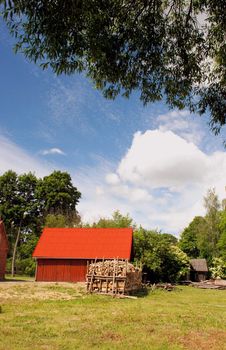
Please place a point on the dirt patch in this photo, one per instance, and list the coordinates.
(111, 336)
(203, 340)
(40, 291)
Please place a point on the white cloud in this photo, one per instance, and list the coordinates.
(62, 102)
(99, 191)
(53, 151)
(162, 159)
(130, 193)
(160, 181)
(183, 124)
(67, 104)
(140, 194)
(112, 179)
(13, 157)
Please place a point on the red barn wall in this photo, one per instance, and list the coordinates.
(3, 255)
(3, 251)
(61, 270)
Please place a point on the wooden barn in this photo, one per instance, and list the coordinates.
(62, 254)
(3, 250)
(198, 270)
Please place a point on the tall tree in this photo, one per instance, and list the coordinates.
(25, 201)
(8, 199)
(28, 212)
(57, 194)
(117, 220)
(167, 49)
(222, 240)
(60, 220)
(18, 206)
(201, 237)
(191, 238)
(212, 205)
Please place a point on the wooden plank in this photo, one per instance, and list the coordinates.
(116, 282)
(91, 282)
(113, 285)
(124, 287)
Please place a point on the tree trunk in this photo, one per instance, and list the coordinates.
(15, 249)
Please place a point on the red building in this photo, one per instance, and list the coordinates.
(3, 250)
(62, 253)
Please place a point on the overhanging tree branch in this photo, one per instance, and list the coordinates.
(153, 46)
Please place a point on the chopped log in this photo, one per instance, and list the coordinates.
(113, 277)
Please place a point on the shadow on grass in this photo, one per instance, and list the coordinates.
(141, 293)
(18, 278)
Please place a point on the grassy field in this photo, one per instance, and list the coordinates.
(38, 316)
(19, 278)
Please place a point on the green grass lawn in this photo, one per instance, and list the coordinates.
(19, 278)
(61, 317)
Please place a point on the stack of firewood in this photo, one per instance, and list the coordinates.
(108, 267)
(113, 276)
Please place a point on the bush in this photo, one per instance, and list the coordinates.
(161, 259)
(218, 269)
(8, 265)
(26, 266)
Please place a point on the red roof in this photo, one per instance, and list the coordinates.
(85, 243)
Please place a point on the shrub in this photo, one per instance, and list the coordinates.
(218, 269)
(161, 259)
(26, 266)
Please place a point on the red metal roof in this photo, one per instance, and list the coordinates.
(84, 243)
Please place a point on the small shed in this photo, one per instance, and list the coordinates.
(62, 254)
(198, 270)
(3, 250)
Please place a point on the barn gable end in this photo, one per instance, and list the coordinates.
(62, 254)
(3, 250)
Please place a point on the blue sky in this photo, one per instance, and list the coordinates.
(151, 162)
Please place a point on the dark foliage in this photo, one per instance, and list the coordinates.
(172, 50)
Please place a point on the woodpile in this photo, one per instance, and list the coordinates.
(113, 277)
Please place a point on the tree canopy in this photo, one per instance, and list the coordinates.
(18, 203)
(161, 259)
(117, 220)
(205, 237)
(212, 205)
(27, 203)
(166, 49)
(222, 240)
(190, 237)
(57, 194)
